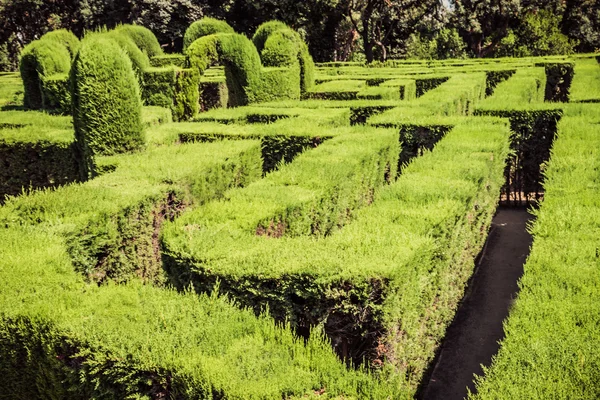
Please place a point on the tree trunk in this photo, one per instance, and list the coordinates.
(366, 32)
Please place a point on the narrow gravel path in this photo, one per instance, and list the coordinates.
(472, 338)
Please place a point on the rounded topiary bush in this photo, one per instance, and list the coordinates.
(144, 39)
(139, 59)
(204, 27)
(264, 31)
(66, 38)
(107, 107)
(275, 41)
(281, 49)
(40, 59)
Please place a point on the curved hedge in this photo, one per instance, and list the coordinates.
(279, 45)
(39, 59)
(264, 31)
(139, 59)
(204, 27)
(289, 69)
(107, 106)
(143, 37)
(241, 61)
(66, 38)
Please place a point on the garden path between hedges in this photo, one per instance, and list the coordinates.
(472, 338)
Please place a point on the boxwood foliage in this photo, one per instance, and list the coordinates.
(143, 38)
(204, 27)
(107, 106)
(66, 38)
(39, 59)
(174, 88)
(139, 59)
(291, 67)
(279, 46)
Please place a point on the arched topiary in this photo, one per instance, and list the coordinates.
(107, 107)
(66, 38)
(279, 46)
(204, 27)
(144, 39)
(139, 59)
(290, 72)
(39, 59)
(264, 31)
(240, 58)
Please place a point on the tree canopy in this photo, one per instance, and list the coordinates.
(335, 30)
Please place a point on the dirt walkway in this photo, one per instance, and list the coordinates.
(472, 338)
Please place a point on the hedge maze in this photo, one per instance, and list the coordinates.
(235, 222)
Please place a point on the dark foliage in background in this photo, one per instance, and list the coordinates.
(335, 30)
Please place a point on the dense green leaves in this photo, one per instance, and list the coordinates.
(106, 102)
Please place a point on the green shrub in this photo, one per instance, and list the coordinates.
(241, 61)
(247, 80)
(56, 93)
(41, 58)
(204, 27)
(279, 45)
(264, 31)
(165, 60)
(173, 88)
(143, 38)
(66, 38)
(106, 102)
(139, 59)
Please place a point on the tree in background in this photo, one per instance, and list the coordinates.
(333, 29)
(484, 23)
(538, 35)
(444, 44)
(383, 23)
(581, 21)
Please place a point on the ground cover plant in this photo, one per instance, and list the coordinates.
(236, 222)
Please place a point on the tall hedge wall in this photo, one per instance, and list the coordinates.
(41, 58)
(107, 105)
(143, 38)
(204, 27)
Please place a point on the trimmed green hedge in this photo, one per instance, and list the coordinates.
(60, 337)
(551, 348)
(173, 88)
(139, 59)
(204, 27)
(35, 152)
(386, 285)
(56, 93)
(166, 60)
(40, 59)
(107, 105)
(143, 38)
(247, 81)
(66, 38)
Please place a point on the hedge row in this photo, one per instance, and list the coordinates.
(525, 87)
(386, 285)
(586, 83)
(457, 96)
(107, 106)
(63, 338)
(551, 348)
(35, 152)
(42, 59)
